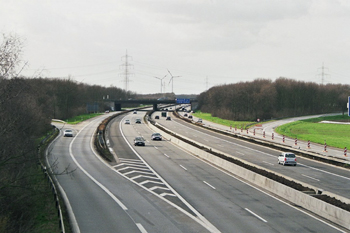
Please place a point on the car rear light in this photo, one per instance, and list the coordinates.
(285, 159)
(295, 159)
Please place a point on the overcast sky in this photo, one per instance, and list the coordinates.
(205, 42)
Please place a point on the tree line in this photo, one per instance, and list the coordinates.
(27, 106)
(266, 99)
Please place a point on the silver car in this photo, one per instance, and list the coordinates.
(68, 133)
(286, 158)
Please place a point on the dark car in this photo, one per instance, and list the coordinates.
(139, 141)
(138, 121)
(185, 115)
(157, 117)
(190, 116)
(168, 118)
(156, 136)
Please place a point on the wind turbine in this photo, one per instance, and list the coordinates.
(161, 83)
(172, 81)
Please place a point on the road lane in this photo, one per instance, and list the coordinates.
(333, 179)
(93, 189)
(230, 204)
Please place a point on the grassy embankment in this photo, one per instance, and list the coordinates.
(335, 135)
(209, 117)
(80, 118)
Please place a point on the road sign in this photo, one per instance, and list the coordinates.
(348, 105)
(183, 101)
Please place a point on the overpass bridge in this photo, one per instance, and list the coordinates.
(155, 102)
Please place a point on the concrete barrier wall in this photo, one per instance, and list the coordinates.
(321, 208)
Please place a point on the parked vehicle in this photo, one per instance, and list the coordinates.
(156, 136)
(68, 133)
(286, 158)
(200, 120)
(139, 141)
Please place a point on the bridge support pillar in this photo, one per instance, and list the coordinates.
(155, 107)
(118, 107)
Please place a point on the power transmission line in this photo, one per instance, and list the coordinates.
(322, 74)
(126, 68)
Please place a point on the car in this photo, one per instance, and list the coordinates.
(156, 117)
(200, 120)
(168, 118)
(68, 133)
(139, 141)
(138, 121)
(190, 116)
(127, 121)
(286, 158)
(185, 115)
(156, 136)
(135, 112)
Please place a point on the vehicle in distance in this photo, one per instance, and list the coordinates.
(139, 141)
(156, 136)
(185, 115)
(127, 121)
(190, 116)
(286, 158)
(135, 112)
(168, 118)
(156, 117)
(68, 133)
(200, 120)
(138, 121)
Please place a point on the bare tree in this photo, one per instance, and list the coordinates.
(11, 64)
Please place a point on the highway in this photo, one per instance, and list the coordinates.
(322, 176)
(161, 188)
(227, 203)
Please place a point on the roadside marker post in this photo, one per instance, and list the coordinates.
(296, 141)
(325, 147)
(345, 151)
(273, 135)
(264, 134)
(283, 139)
(254, 132)
(308, 144)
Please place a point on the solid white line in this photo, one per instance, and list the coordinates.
(211, 186)
(183, 167)
(255, 214)
(90, 176)
(310, 177)
(141, 228)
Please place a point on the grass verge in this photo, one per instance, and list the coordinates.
(335, 135)
(80, 118)
(209, 117)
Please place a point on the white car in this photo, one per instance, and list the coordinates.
(287, 158)
(127, 121)
(68, 133)
(156, 136)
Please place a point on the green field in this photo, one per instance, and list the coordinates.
(80, 118)
(335, 135)
(209, 117)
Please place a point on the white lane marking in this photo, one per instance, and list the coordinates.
(90, 176)
(261, 152)
(310, 177)
(348, 178)
(211, 186)
(268, 163)
(239, 153)
(141, 228)
(255, 214)
(156, 148)
(183, 167)
(167, 155)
